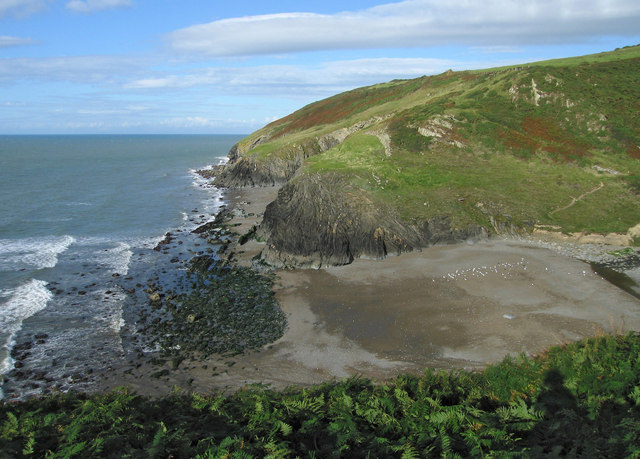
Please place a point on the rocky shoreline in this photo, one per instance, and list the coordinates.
(158, 279)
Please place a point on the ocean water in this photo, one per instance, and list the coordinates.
(78, 216)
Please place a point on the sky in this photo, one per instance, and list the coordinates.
(216, 67)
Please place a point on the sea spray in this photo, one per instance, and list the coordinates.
(25, 301)
(38, 253)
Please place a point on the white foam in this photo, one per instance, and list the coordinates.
(116, 258)
(147, 242)
(201, 182)
(213, 197)
(114, 319)
(78, 204)
(25, 300)
(113, 254)
(131, 242)
(39, 253)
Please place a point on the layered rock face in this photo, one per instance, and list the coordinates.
(247, 171)
(319, 220)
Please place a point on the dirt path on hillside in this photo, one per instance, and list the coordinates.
(579, 198)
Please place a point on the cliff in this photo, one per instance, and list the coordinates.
(320, 219)
(410, 163)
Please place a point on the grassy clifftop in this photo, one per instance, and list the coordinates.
(553, 143)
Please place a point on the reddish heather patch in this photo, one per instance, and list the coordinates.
(323, 112)
(545, 135)
(515, 140)
(340, 106)
(469, 76)
(633, 151)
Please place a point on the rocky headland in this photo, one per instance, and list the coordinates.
(529, 151)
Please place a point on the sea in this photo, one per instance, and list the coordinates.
(80, 217)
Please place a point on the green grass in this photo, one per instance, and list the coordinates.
(466, 185)
(576, 400)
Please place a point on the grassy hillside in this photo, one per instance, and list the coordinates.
(552, 143)
(578, 400)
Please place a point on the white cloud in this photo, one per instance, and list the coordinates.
(91, 6)
(286, 79)
(159, 82)
(413, 23)
(75, 125)
(8, 42)
(497, 49)
(78, 69)
(21, 7)
(12, 104)
(134, 74)
(190, 122)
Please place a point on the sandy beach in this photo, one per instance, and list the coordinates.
(459, 306)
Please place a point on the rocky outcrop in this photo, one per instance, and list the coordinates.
(244, 169)
(441, 128)
(319, 220)
(338, 136)
(256, 170)
(248, 171)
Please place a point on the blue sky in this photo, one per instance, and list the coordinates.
(186, 66)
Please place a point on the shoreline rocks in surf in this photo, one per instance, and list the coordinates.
(156, 274)
(228, 310)
(223, 309)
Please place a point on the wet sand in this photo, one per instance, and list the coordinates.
(465, 306)
(459, 306)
